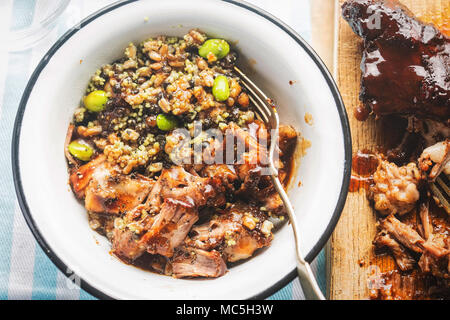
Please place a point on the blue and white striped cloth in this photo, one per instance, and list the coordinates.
(25, 271)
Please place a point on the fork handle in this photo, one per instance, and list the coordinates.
(308, 282)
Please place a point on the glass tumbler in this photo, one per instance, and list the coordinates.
(32, 20)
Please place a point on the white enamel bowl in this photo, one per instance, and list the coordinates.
(271, 53)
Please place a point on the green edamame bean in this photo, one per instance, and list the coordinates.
(165, 122)
(95, 101)
(217, 47)
(221, 89)
(81, 150)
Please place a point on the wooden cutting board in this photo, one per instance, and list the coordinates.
(351, 260)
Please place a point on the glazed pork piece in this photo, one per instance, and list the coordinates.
(250, 165)
(106, 190)
(81, 177)
(189, 189)
(193, 262)
(113, 193)
(225, 173)
(239, 230)
(231, 235)
(162, 223)
(169, 227)
(405, 64)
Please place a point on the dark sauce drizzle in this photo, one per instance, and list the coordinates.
(364, 164)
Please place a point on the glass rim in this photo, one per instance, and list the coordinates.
(32, 29)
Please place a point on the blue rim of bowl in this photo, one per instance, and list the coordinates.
(323, 69)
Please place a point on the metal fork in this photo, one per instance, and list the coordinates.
(441, 191)
(269, 115)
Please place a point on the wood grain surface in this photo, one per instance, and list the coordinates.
(323, 30)
(351, 259)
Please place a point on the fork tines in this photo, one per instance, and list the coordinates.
(441, 191)
(258, 98)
